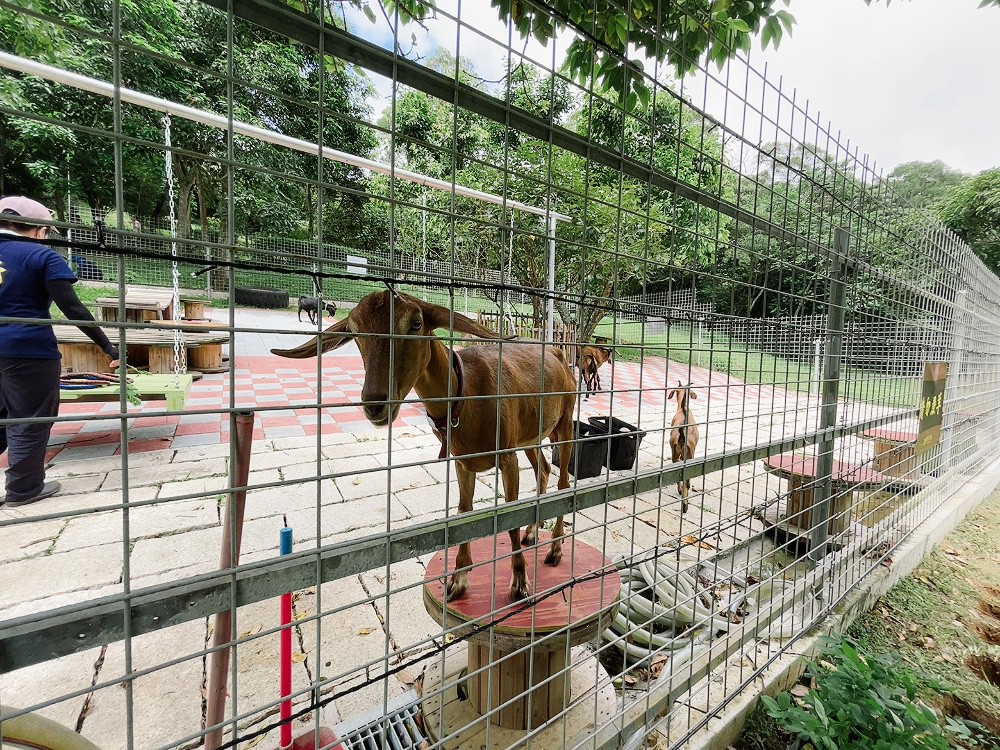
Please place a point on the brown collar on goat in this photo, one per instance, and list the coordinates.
(454, 407)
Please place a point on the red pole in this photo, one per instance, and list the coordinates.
(285, 654)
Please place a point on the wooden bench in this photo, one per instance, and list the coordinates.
(141, 304)
(147, 347)
(169, 388)
(894, 452)
(800, 471)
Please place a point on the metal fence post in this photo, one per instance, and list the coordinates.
(954, 377)
(829, 391)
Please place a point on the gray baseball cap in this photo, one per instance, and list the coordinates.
(18, 206)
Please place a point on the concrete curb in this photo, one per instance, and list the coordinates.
(724, 729)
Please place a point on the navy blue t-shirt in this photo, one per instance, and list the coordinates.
(25, 269)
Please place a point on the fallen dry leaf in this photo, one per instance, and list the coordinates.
(629, 679)
(405, 677)
(418, 684)
(252, 631)
(657, 666)
(799, 691)
(357, 481)
(298, 657)
(690, 540)
(929, 643)
(365, 631)
(913, 628)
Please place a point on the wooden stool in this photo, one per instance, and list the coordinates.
(206, 356)
(800, 471)
(194, 309)
(521, 691)
(894, 452)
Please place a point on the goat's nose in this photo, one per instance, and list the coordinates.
(375, 407)
(375, 412)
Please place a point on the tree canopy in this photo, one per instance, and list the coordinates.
(972, 210)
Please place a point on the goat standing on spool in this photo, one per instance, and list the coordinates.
(683, 435)
(444, 379)
(591, 359)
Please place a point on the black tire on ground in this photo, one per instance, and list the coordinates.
(270, 299)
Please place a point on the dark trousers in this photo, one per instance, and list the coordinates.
(28, 388)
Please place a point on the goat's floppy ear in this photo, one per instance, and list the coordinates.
(691, 393)
(333, 337)
(436, 316)
(671, 394)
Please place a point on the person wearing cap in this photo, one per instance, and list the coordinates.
(32, 277)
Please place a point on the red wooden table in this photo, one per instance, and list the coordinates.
(800, 471)
(529, 685)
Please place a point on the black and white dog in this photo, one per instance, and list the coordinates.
(311, 306)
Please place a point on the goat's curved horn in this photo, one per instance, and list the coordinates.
(332, 338)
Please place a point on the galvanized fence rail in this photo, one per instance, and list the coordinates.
(765, 432)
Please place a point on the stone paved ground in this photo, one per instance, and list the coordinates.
(70, 548)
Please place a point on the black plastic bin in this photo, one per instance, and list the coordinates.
(625, 439)
(591, 452)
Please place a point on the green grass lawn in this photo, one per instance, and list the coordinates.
(717, 352)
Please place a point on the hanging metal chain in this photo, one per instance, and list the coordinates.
(179, 367)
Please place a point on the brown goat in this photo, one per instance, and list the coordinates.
(478, 442)
(683, 435)
(591, 359)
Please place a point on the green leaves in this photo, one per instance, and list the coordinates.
(858, 703)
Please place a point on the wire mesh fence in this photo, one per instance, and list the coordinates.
(819, 377)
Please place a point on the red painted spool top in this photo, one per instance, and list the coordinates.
(892, 436)
(487, 600)
(805, 467)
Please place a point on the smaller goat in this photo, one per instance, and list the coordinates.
(311, 306)
(683, 435)
(591, 359)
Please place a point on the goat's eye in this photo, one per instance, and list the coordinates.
(417, 324)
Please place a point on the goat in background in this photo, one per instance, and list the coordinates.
(484, 431)
(683, 435)
(591, 359)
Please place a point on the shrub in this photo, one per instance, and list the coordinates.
(858, 703)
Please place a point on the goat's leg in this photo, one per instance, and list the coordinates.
(520, 588)
(460, 578)
(563, 433)
(542, 478)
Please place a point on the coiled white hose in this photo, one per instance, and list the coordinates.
(664, 594)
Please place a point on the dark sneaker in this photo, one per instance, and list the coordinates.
(48, 490)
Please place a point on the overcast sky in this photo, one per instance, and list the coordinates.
(917, 80)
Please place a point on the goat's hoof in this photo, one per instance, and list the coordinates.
(456, 589)
(528, 540)
(684, 506)
(519, 589)
(554, 557)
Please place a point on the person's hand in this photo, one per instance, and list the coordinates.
(114, 364)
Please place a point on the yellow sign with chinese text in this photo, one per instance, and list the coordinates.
(931, 408)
